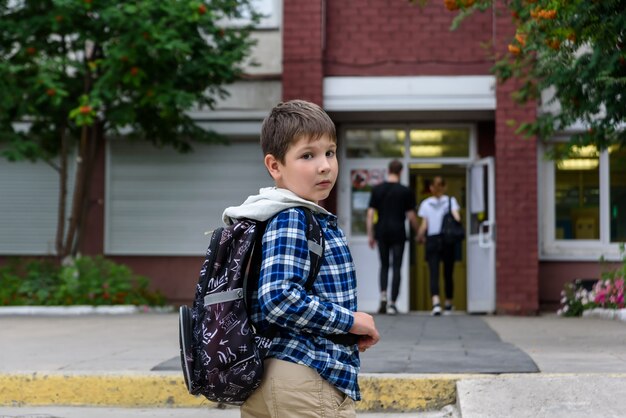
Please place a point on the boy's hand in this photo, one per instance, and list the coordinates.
(365, 328)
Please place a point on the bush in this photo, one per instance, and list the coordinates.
(575, 299)
(84, 281)
(607, 293)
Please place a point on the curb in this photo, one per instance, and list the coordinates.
(614, 314)
(76, 310)
(380, 392)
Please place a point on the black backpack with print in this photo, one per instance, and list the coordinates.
(221, 352)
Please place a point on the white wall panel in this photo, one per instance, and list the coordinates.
(29, 194)
(161, 202)
(420, 93)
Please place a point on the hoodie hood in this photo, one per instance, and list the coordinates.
(266, 204)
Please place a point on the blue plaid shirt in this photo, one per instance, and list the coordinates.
(304, 319)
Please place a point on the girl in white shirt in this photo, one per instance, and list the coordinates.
(432, 211)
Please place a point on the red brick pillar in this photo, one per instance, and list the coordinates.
(517, 268)
(302, 50)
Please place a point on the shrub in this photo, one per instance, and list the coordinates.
(607, 293)
(575, 299)
(83, 281)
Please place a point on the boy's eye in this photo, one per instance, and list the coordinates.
(330, 153)
(307, 156)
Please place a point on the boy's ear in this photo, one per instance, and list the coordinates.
(273, 166)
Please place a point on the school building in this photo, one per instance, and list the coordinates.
(398, 84)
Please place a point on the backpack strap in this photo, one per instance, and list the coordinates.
(316, 243)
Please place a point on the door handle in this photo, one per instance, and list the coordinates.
(485, 234)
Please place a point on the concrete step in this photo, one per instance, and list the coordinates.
(543, 395)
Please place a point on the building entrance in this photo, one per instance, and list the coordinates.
(425, 151)
(420, 177)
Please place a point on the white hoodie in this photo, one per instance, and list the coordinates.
(266, 204)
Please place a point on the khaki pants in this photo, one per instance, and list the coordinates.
(290, 390)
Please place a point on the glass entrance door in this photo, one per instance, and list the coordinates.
(481, 242)
(365, 153)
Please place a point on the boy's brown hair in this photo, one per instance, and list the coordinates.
(290, 121)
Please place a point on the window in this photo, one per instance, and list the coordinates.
(375, 143)
(617, 179)
(423, 143)
(429, 143)
(270, 11)
(584, 202)
(576, 194)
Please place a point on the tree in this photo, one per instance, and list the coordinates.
(76, 72)
(573, 53)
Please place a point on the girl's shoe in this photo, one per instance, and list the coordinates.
(392, 310)
(436, 310)
(382, 309)
(448, 309)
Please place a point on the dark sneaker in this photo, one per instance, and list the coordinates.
(393, 310)
(382, 309)
(436, 310)
(448, 309)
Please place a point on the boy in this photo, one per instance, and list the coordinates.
(309, 371)
(394, 203)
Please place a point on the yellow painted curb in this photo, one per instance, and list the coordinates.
(97, 390)
(379, 393)
(409, 393)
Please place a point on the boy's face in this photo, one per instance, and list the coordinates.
(310, 168)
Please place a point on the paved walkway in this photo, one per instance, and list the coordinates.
(420, 343)
(489, 366)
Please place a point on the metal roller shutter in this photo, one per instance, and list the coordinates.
(160, 202)
(29, 194)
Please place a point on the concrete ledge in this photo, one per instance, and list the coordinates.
(406, 392)
(76, 310)
(380, 392)
(617, 314)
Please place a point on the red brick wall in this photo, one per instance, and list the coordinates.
(517, 267)
(396, 37)
(553, 275)
(302, 50)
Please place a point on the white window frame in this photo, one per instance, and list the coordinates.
(552, 249)
(272, 11)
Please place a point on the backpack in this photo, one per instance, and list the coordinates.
(452, 231)
(221, 351)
